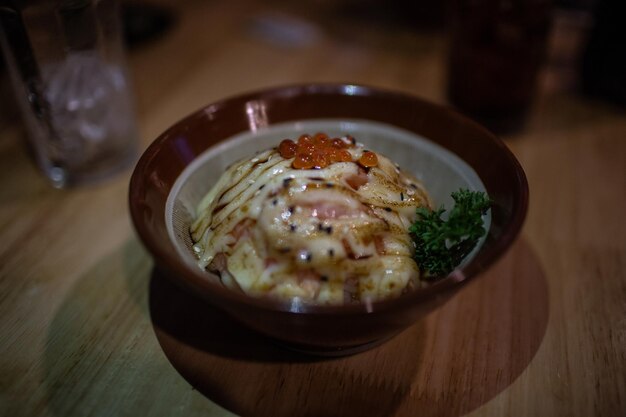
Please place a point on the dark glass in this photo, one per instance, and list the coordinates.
(495, 52)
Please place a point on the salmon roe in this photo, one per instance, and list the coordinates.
(303, 161)
(368, 159)
(287, 148)
(320, 150)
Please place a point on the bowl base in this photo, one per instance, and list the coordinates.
(328, 351)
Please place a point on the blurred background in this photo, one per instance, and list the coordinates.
(335, 40)
(578, 46)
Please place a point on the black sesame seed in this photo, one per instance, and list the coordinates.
(387, 209)
(309, 256)
(262, 187)
(331, 252)
(286, 182)
(329, 185)
(329, 229)
(413, 185)
(274, 202)
(291, 209)
(316, 179)
(324, 278)
(320, 227)
(401, 196)
(292, 227)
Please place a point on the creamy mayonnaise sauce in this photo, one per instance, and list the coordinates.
(328, 236)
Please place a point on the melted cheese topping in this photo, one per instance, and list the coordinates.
(328, 236)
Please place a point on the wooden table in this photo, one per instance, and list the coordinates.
(77, 290)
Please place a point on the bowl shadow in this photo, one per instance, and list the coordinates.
(251, 374)
(458, 358)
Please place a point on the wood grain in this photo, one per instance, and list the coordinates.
(76, 333)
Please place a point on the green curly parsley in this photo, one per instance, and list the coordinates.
(441, 245)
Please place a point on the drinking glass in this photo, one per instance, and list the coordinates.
(66, 61)
(496, 50)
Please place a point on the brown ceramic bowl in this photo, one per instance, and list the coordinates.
(442, 147)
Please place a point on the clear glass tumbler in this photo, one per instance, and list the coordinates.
(67, 64)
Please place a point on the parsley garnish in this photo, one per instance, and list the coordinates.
(441, 245)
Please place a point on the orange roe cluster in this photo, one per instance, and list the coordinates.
(319, 151)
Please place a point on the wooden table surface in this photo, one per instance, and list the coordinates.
(77, 324)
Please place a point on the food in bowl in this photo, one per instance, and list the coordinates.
(324, 220)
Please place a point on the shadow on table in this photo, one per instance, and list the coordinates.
(252, 375)
(457, 359)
